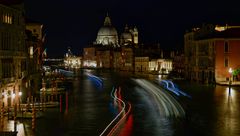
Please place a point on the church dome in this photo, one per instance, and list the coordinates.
(107, 34)
(126, 36)
(107, 31)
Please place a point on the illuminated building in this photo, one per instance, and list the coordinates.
(162, 66)
(210, 51)
(141, 64)
(13, 51)
(127, 58)
(36, 54)
(108, 51)
(129, 36)
(89, 57)
(113, 52)
(71, 61)
(108, 35)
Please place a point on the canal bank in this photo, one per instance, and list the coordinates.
(227, 83)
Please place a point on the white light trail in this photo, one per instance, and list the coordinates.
(113, 95)
(166, 104)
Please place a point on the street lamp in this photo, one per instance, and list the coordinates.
(230, 81)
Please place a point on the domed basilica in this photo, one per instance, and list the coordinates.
(108, 35)
(102, 55)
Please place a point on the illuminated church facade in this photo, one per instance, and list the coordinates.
(123, 52)
(110, 49)
(108, 35)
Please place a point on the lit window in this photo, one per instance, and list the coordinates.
(7, 19)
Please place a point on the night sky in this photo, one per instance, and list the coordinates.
(75, 23)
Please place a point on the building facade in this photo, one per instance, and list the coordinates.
(160, 66)
(110, 51)
(35, 45)
(210, 52)
(13, 52)
(71, 61)
(89, 57)
(142, 64)
(178, 65)
(227, 57)
(123, 52)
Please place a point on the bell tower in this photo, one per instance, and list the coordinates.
(135, 35)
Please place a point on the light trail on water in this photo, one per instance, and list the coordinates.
(166, 104)
(113, 95)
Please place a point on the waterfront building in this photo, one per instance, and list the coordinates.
(127, 59)
(160, 66)
(104, 58)
(117, 59)
(71, 61)
(110, 51)
(210, 52)
(89, 57)
(142, 64)
(13, 52)
(178, 65)
(36, 54)
(125, 53)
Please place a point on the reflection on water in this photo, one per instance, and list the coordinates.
(228, 117)
(212, 111)
(11, 126)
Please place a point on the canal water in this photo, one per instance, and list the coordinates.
(212, 110)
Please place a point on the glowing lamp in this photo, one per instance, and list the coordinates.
(31, 51)
(230, 70)
(13, 95)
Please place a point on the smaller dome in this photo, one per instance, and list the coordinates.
(126, 36)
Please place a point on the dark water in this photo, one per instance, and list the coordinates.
(212, 111)
(87, 115)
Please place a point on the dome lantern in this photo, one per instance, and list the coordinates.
(107, 21)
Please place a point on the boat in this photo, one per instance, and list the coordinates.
(52, 90)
